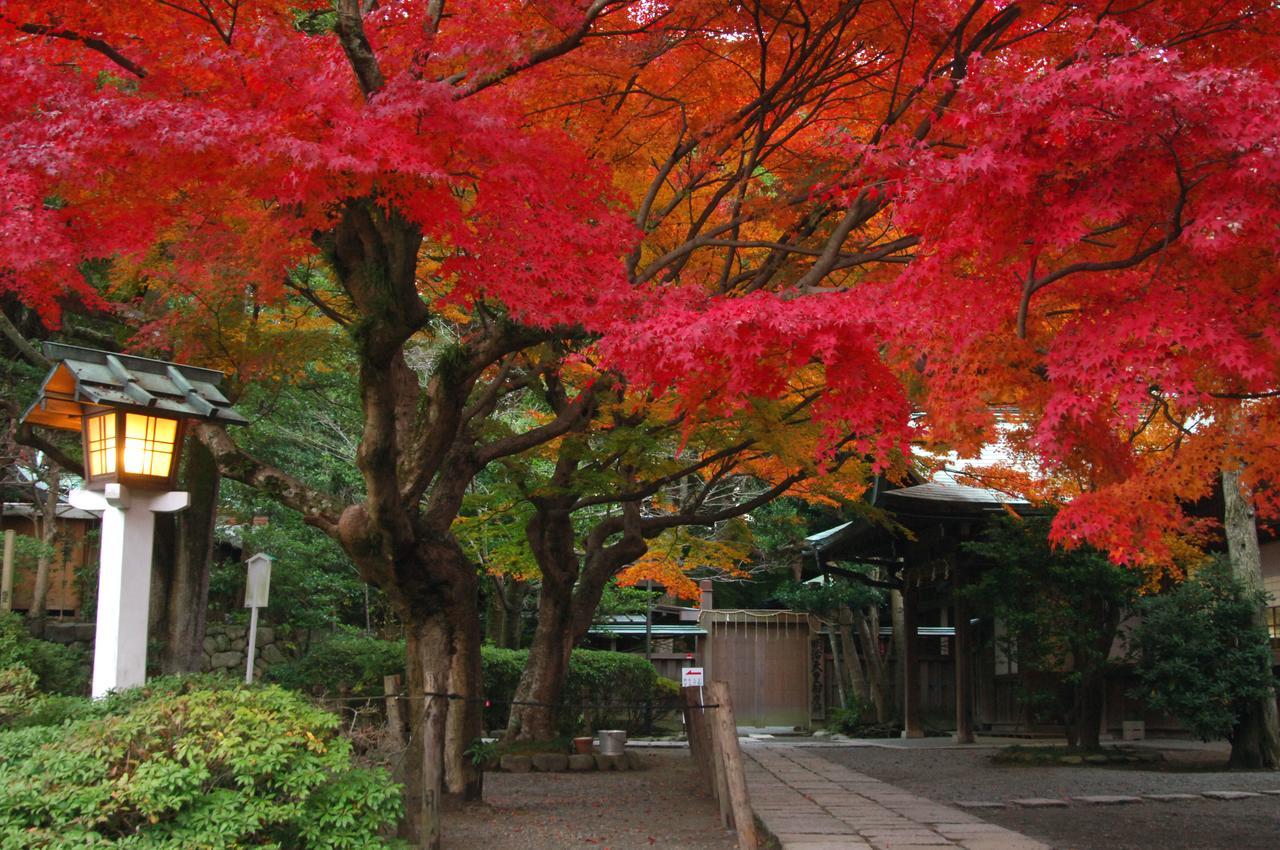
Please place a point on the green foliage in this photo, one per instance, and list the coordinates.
(1201, 656)
(18, 693)
(482, 752)
(58, 669)
(189, 764)
(1060, 609)
(846, 720)
(617, 683)
(350, 663)
(501, 669)
(623, 600)
(827, 599)
(613, 687)
(314, 585)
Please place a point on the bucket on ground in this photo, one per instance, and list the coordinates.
(613, 742)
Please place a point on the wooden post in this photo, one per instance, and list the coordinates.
(911, 725)
(725, 730)
(695, 728)
(715, 751)
(6, 572)
(433, 732)
(395, 718)
(964, 670)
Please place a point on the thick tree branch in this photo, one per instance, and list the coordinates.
(318, 508)
(355, 44)
(95, 44)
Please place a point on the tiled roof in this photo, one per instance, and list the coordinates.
(86, 378)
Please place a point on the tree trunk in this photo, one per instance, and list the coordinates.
(567, 602)
(898, 615)
(48, 534)
(495, 619)
(513, 624)
(463, 778)
(1090, 694)
(429, 651)
(1256, 742)
(543, 678)
(505, 602)
(187, 597)
(868, 625)
(852, 663)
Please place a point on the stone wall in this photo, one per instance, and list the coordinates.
(224, 645)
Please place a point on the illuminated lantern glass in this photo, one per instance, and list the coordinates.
(125, 446)
(148, 445)
(100, 444)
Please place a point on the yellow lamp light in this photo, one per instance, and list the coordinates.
(131, 447)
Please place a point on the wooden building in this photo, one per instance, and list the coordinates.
(75, 551)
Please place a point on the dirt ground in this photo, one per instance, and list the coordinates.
(950, 775)
(663, 806)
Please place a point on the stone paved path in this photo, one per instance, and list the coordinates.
(810, 803)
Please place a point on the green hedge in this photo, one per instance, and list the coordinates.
(192, 763)
(58, 669)
(347, 663)
(611, 684)
(603, 690)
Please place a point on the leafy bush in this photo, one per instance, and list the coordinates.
(612, 684)
(615, 684)
(1201, 657)
(350, 663)
(58, 669)
(17, 692)
(612, 687)
(501, 669)
(847, 720)
(185, 764)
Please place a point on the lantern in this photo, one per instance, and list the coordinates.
(131, 448)
(129, 410)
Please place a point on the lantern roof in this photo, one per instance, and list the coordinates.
(87, 380)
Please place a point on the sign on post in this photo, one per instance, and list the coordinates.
(256, 587)
(691, 677)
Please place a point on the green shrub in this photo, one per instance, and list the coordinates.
(613, 685)
(18, 693)
(183, 764)
(350, 663)
(846, 720)
(616, 684)
(602, 688)
(1201, 657)
(58, 669)
(501, 669)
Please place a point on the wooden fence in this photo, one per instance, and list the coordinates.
(713, 742)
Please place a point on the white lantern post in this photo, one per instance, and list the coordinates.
(256, 588)
(131, 413)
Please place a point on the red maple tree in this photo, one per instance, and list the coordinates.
(949, 205)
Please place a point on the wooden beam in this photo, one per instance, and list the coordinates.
(963, 663)
(911, 725)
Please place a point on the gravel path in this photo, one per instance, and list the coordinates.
(951, 775)
(664, 806)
